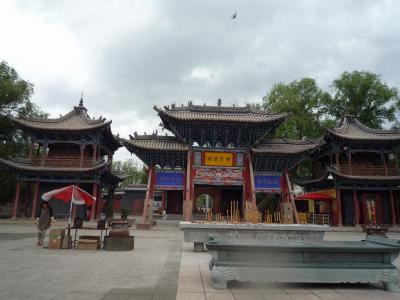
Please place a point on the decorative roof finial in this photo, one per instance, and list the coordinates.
(81, 101)
(219, 102)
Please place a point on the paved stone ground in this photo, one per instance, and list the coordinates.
(31, 272)
(195, 283)
(162, 266)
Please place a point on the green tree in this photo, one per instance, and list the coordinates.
(302, 101)
(364, 95)
(135, 173)
(15, 101)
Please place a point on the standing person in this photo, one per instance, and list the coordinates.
(43, 221)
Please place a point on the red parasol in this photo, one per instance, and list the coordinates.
(70, 193)
(313, 196)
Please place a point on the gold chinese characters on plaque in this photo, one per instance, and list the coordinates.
(224, 159)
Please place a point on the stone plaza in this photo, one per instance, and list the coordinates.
(162, 266)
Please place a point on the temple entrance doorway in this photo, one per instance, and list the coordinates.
(217, 199)
(269, 205)
(204, 203)
(174, 202)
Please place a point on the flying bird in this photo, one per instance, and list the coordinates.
(234, 15)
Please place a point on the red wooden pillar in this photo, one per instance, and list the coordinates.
(249, 195)
(163, 194)
(356, 208)
(252, 185)
(291, 199)
(147, 217)
(35, 199)
(93, 208)
(339, 208)
(188, 201)
(392, 208)
(16, 201)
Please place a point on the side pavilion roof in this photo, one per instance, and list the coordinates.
(158, 150)
(351, 129)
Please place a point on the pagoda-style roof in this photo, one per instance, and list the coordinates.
(75, 125)
(77, 120)
(241, 126)
(342, 180)
(156, 143)
(235, 114)
(281, 155)
(158, 150)
(351, 129)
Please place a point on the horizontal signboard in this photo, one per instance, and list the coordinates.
(172, 180)
(223, 159)
(267, 182)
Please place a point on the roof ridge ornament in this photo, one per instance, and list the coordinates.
(81, 101)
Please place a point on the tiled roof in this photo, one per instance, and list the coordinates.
(285, 146)
(338, 175)
(351, 129)
(246, 114)
(76, 120)
(25, 167)
(155, 142)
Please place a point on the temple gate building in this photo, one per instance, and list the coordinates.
(217, 151)
(71, 149)
(357, 167)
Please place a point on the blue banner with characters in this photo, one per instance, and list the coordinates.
(267, 182)
(169, 179)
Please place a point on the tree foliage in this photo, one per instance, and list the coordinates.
(135, 173)
(302, 101)
(15, 101)
(364, 95)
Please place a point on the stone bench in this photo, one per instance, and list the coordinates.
(369, 261)
(198, 233)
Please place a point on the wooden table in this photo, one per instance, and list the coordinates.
(74, 241)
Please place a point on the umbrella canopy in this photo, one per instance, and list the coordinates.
(70, 193)
(314, 196)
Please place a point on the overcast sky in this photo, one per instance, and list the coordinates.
(127, 56)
